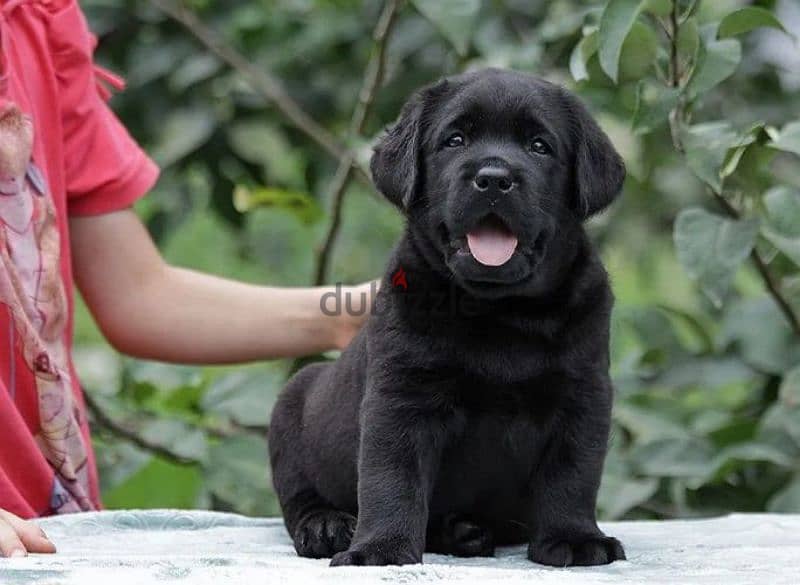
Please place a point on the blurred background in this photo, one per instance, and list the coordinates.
(703, 248)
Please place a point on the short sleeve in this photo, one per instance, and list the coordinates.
(105, 169)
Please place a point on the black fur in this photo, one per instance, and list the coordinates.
(473, 410)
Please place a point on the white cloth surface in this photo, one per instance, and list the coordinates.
(188, 547)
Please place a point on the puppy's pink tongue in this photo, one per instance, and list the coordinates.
(491, 243)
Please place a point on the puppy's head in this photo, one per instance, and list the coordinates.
(496, 170)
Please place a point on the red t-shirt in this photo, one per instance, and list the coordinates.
(62, 153)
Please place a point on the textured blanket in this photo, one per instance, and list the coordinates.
(139, 547)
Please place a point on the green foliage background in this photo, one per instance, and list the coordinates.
(707, 417)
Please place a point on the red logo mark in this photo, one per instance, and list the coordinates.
(399, 279)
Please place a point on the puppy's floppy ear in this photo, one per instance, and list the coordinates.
(396, 164)
(396, 160)
(599, 169)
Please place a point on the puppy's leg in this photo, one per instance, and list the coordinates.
(460, 536)
(400, 448)
(562, 517)
(317, 529)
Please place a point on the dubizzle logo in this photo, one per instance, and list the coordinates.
(399, 279)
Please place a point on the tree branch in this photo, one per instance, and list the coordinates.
(261, 82)
(674, 66)
(678, 115)
(125, 432)
(373, 77)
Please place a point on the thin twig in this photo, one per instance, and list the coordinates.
(673, 53)
(373, 77)
(339, 185)
(123, 431)
(678, 114)
(127, 431)
(260, 81)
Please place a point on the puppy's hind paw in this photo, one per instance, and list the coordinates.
(323, 534)
(462, 537)
(596, 549)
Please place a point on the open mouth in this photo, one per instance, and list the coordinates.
(490, 242)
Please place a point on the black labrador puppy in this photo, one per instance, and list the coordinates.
(473, 409)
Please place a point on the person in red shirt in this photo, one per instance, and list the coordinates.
(69, 173)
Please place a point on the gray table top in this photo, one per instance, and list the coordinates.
(171, 546)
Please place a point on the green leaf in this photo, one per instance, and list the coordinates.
(264, 144)
(688, 40)
(616, 23)
(580, 56)
(746, 19)
(717, 60)
(563, 19)
(761, 335)
(658, 7)
(639, 52)
(782, 225)
(787, 500)
(653, 106)
(711, 248)
(246, 398)
(696, 325)
(750, 138)
(782, 205)
(790, 388)
(302, 205)
(178, 437)
(117, 461)
(738, 456)
(748, 169)
(618, 495)
(707, 147)
(455, 19)
(684, 457)
(788, 139)
(780, 427)
(184, 131)
(195, 69)
(159, 484)
(237, 474)
(149, 61)
(646, 425)
(705, 372)
(163, 376)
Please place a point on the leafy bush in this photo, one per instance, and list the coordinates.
(703, 249)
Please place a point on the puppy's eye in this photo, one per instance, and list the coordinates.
(455, 140)
(539, 146)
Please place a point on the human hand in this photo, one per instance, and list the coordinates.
(18, 537)
(348, 322)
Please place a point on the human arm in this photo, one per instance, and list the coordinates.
(149, 309)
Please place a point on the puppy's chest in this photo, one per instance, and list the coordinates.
(532, 400)
(493, 451)
(502, 354)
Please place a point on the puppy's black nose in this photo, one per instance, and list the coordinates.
(495, 178)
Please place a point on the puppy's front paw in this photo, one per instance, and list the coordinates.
(325, 533)
(592, 549)
(376, 554)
